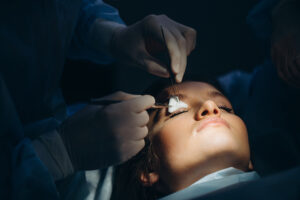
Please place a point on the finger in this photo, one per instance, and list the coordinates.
(295, 70)
(135, 119)
(183, 55)
(173, 49)
(292, 78)
(139, 104)
(280, 61)
(190, 36)
(154, 66)
(130, 149)
(141, 118)
(119, 96)
(289, 67)
(139, 133)
(294, 73)
(180, 75)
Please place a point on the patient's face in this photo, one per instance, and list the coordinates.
(195, 141)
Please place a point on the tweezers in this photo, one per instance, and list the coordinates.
(108, 102)
(168, 64)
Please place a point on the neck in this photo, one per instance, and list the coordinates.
(175, 181)
(179, 181)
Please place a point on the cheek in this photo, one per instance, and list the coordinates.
(174, 136)
(238, 127)
(239, 132)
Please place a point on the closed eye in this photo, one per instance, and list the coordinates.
(227, 109)
(177, 113)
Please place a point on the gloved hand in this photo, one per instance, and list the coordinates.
(99, 136)
(286, 57)
(285, 43)
(135, 45)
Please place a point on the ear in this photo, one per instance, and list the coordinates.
(250, 166)
(149, 179)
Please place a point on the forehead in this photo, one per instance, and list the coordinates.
(191, 89)
(193, 86)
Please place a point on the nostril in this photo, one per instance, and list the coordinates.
(204, 113)
(215, 111)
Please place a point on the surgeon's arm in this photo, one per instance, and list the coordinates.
(52, 152)
(22, 174)
(86, 42)
(141, 43)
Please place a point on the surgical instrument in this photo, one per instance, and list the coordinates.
(108, 102)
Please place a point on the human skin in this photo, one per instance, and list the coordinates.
(198, 140)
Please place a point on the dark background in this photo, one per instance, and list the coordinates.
(224, 42)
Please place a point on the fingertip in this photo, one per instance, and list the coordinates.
(150, 98)
(179, 78)
(176, 68)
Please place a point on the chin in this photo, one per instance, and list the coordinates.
(224, 144)
(213, 130)
(216, 136)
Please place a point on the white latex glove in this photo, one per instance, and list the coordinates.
(135, 45)
(99, 136)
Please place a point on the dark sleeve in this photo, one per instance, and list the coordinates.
(90, 11)
(270, 110)
(260, 18)
(235, 86)
(22, 174)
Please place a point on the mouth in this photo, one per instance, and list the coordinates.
(212, 121)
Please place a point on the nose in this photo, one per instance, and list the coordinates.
(208, 109)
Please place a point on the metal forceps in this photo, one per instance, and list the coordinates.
(167, 59)
(104, 102)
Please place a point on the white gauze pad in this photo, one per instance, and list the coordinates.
(175, 104)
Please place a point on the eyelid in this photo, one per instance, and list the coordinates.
(178, 112)
(226, 108)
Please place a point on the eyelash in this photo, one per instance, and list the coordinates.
(229, 110)
(177, 113)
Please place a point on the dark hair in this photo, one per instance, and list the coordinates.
(127, 184)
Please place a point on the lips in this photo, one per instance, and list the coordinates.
(211, 121)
